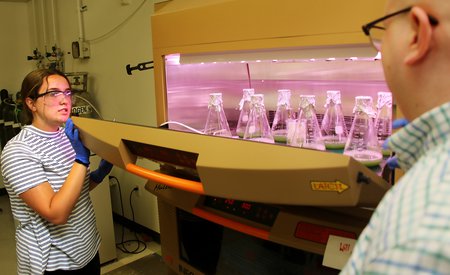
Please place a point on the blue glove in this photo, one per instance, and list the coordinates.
(102, 171)
(399, 123)
(82, 153)
(392, 162)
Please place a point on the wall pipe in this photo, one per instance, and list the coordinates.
(55, 38)
(35, 33)
(44, 27)
(80, 21)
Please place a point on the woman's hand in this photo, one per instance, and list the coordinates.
(82, 153)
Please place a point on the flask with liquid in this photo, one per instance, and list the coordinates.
(282, 114)
(307, 130)
(383, 121)
(362, 143)
(334, 130)
(258, 128)
(244, 107)
(216, 121)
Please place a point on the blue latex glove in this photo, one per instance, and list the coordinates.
(392, 162)
(102, 171)
(82, 153)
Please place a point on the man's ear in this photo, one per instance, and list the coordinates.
(421, 39)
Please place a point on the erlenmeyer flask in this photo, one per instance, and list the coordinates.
(258, 128)
(362, 143)
(383, 121)
(334, 130)
(307, 131)
(216, 121)
(244, 107)
(282, 114)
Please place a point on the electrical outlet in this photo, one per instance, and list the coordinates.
(138, 190)
(112, 181)
(85, 49)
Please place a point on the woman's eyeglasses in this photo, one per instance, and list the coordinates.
(55, 94)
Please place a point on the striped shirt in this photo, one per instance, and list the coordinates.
(409, 233)
(31, 158)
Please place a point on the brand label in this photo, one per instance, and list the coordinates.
(160, 187)
(333, 186)
(81, 110)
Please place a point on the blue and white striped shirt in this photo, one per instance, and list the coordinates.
(409, 233)
(29, 159)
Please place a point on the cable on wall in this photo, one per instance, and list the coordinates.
(123, 242)
(119, 25)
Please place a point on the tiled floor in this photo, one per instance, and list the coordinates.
(8, 252)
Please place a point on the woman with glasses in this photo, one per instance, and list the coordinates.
(409, 232)
(46, 173)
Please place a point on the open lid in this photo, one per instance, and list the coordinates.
(238, 169)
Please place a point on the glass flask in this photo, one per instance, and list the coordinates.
(244, 107)
(383, 120)
(216, 121)
(362, 143)
(282, 114)
(307, 130)
(258, 128)
(334, 130)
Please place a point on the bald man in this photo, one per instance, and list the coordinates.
(409, 232)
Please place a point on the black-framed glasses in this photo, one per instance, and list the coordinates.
(376, 32)
(55, 94)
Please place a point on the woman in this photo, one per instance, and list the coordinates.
(46, 173)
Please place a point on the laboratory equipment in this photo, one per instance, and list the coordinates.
(216, 121)
(83, 103)
(191, 59)
(258, 128)
(362, 143)
(293, 197)
(383, 121)
(333, 127)
(307, 130)
(282, 114)
(244, 108)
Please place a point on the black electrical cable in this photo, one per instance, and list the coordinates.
(122, 243)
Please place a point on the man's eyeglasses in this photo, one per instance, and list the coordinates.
(55, 94)
(376, 32)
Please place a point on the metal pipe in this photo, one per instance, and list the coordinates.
(80, 21)
(35, 33)
(55, 38)
(44, 27)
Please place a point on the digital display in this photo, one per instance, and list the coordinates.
(256, 212)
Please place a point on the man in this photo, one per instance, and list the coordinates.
(409, 232)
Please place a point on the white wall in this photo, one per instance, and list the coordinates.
(117, 95)
(15, 45)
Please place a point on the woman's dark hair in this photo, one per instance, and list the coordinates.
(30, 89)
